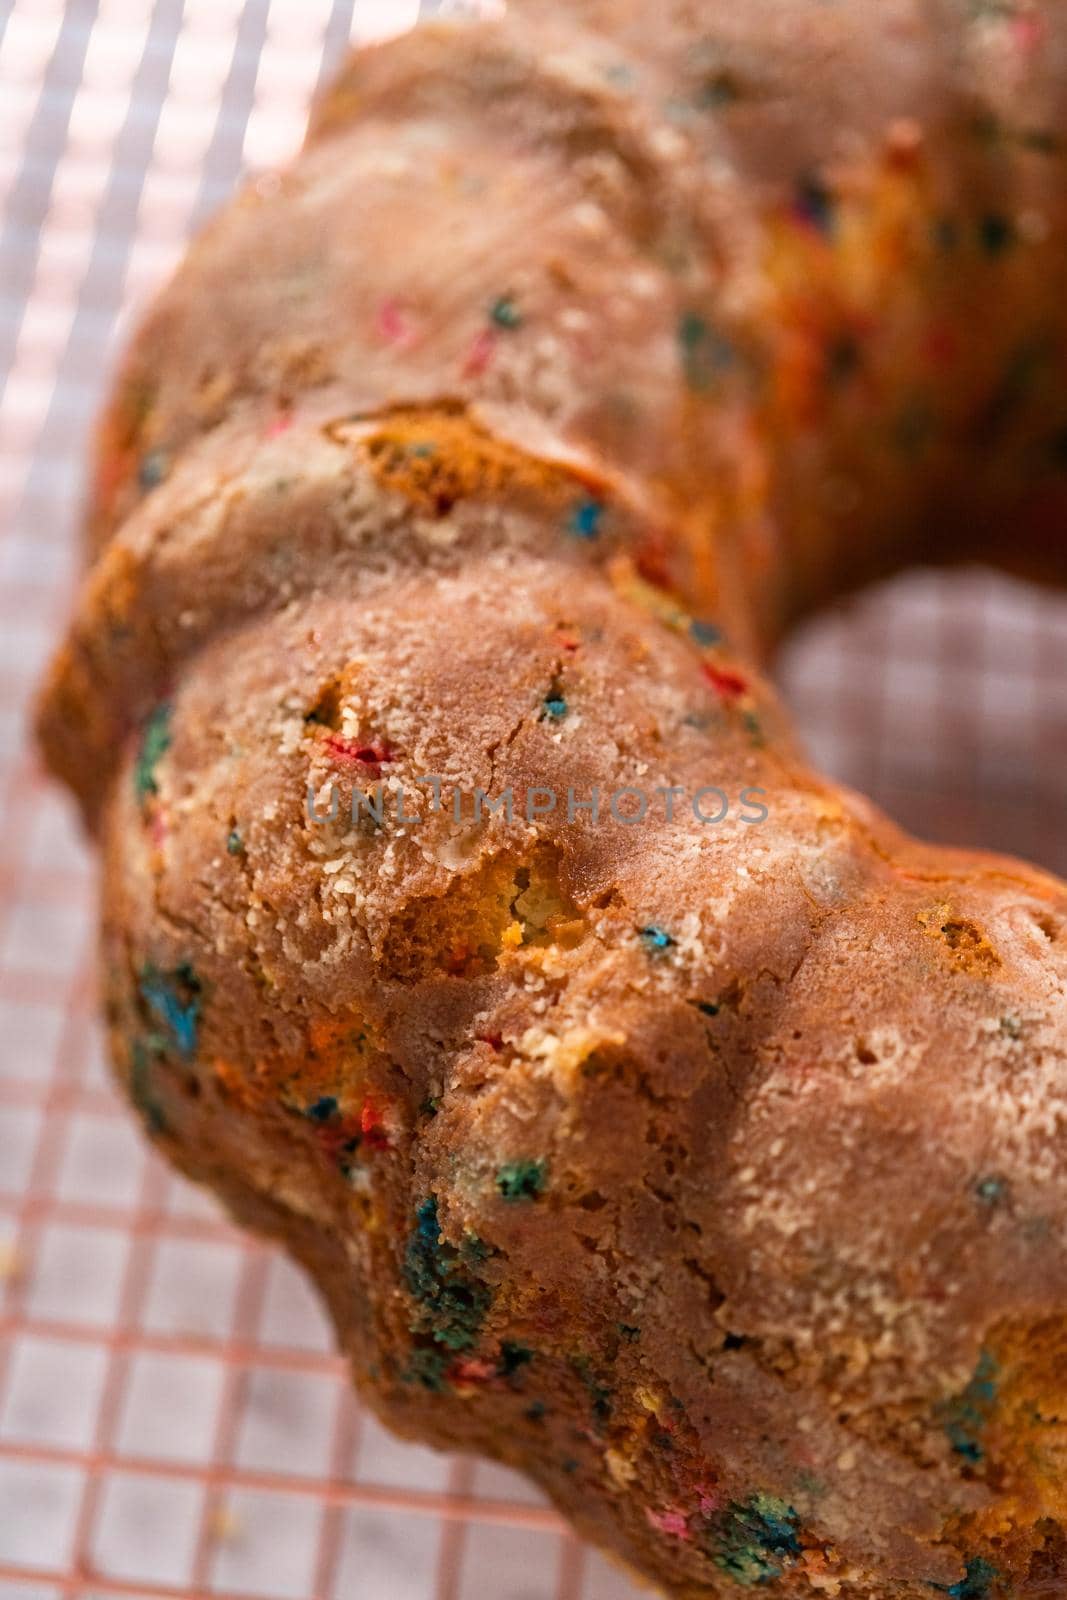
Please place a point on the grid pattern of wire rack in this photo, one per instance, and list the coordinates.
(173, 1421)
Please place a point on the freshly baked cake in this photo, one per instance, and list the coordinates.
(653, 1114)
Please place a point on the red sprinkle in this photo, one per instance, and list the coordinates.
(281, 424)
(942, 346)
(495, 1041)
(651, 561)
(480, 354)
(371, 756)
(334, 1136)
(372, 1126)
(471, 1370)
(729, 685)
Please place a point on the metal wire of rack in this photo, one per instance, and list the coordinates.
(172, 1420)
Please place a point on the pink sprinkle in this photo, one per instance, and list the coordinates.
(1028, 31)
(395, 325)
(671, 1522)
(480, 354)
(281, 424)
(710, 1500)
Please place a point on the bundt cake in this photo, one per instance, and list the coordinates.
(653, 1114)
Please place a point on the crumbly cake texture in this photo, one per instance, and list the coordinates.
(713, 1175)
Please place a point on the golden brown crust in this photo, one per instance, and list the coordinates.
(709, 1170)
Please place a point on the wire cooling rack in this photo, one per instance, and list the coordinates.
(172, 1419)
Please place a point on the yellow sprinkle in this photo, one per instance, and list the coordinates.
(621, 1469)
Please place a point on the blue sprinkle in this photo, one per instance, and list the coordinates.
(966, 1414)
(323, 1109)
(655, 939)
(586, 519)
(976, 1585)
(160, 990)
(556, 708)
(705, 632)
(426, 1215)
(815, 203)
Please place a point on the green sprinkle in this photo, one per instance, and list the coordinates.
(155, 742)
(234, 843)
(427, 1368)
(153, 469)
(996, 233)
(522, 1180)
(754, 728)
(705, 353)
(513, 1357)
(142, 1088)
(505, 313)
(991, 1191)
(754, 1541)
(619, 74)
(452, 1301)
(705, 632)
